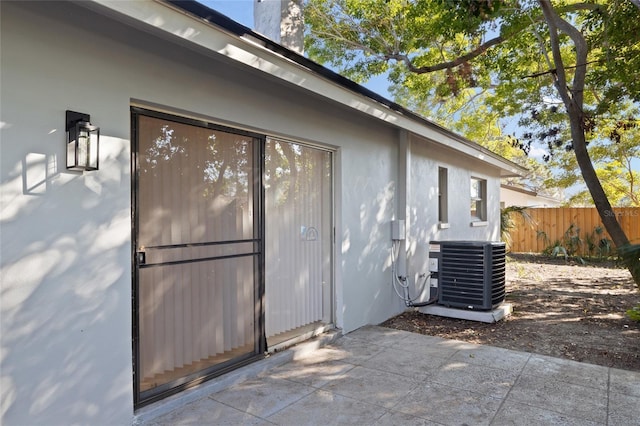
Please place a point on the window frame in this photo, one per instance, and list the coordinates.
(478, 200)
(443, 197)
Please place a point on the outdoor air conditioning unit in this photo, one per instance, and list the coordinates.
(471, 274)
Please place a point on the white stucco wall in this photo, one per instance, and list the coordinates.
(426, 158)
(66, 237)
(65, 311)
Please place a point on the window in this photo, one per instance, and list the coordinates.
(478, 199)
(443, 211)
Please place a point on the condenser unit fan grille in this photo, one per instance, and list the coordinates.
(472, 274)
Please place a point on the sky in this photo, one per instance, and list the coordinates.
(238, 10)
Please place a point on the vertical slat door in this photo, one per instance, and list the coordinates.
(298, 230)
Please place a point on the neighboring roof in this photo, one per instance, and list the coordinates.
(261, 53)
(532, 194)
(518, 189)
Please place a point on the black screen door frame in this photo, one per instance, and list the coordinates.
(145, 397)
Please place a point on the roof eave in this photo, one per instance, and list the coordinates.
(267, 56)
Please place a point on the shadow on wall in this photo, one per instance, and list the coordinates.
(370, 244)
(66, 286)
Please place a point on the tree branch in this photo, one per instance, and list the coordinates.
(543, 49)
(340, 14)
(481, 48)
(582, 51)
(560, 80)
(445, 65)
(553, 70)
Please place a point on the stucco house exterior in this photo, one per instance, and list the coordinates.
(245, 196)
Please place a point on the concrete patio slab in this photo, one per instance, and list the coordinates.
(565, 398)
(315, 374)
(520, 414)
(476, 378)
(623, 409)
(208, 411)
(379, 336)
(625, 382)
(449, 405)
(428, 346)
(568, 371)
(354, 351)
(374, 386)
(404, 363)
(490, 356)
(264, 396)
(392, 418)
(378, 376)
(324, 408)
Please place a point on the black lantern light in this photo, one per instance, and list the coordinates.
(82, 142)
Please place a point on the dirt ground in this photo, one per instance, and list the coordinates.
(561, 309)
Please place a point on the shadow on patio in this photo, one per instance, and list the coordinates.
(381, 376)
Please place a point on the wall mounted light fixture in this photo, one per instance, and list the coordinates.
(83, 141)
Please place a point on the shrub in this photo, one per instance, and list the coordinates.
(634, 313)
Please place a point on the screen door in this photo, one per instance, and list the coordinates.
(197, 251)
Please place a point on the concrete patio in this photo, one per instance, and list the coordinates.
(379, 376)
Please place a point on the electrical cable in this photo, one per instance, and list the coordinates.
(394, 275)
(403, 281)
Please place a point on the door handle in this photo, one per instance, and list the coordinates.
(141, 257)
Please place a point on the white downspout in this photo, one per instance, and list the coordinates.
(403, 191)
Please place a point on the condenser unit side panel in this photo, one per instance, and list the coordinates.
(498, 275)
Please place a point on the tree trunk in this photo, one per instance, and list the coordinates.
(600, 200)
(573, 102)
(628, 255)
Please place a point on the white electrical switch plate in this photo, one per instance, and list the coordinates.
(433, 265)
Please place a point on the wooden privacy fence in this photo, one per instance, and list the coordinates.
(574, 228)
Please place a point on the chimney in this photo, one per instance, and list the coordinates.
(281, 21)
